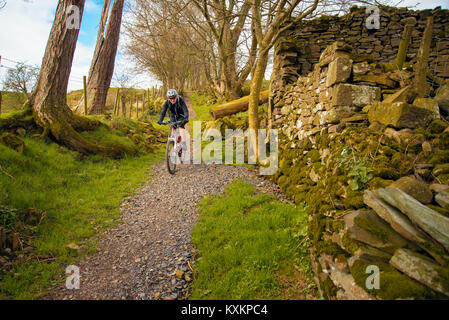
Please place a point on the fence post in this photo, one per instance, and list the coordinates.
(123, 106)
(130, 106)
(144, 98)
(115, 111)
(85, 95)
(137, 107)
(148, 98)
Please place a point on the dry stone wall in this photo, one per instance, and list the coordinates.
(371, 160)
(300, 48)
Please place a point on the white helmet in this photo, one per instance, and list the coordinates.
(171, 93)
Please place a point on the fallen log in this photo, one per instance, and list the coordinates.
(236, 106)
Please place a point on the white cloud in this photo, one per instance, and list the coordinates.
(25, 29)
(425, 4)
(80, 66)
(91, 6)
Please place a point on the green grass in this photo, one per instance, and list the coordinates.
(105, 136)
(199, 104)
(11, 101)
(247, 243)
(81, 198)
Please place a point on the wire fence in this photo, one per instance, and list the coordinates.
(130, 100)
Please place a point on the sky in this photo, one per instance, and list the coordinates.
(25, 26)
(24, 29)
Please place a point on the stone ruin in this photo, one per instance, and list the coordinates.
(301, 46)
(365, 143)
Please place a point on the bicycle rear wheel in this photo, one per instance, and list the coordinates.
(171, 156)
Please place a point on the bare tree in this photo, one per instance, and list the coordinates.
(207, 34)
(168, 49)
(270, 19)
(22, 78)
(226, 19)
(124, 82)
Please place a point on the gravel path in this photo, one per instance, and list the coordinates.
(147, 256)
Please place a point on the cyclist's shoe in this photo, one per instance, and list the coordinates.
(182, 149)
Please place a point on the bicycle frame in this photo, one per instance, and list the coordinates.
(174, 138)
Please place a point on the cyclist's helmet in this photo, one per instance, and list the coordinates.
(172, 93)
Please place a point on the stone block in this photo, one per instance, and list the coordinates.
(432, 222)
(339, 71)
(355, 95)
(399, 96)
(429, 104)
(381, 80)
(400, 115)
(334, 115)
(361, 68)
(422, 269)
(368, 228)
(414, 188)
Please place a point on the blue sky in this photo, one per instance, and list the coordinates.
(90, 21)
(25, 26)
(24, 29)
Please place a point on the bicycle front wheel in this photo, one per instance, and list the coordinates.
(170, 156)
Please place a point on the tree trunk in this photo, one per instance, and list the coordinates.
(230, 76)
(102, 66)
(256, 85)
(100, 35)
(49, 98)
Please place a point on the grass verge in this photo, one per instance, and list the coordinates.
(81, 199)
(201, 106)
(248, 247)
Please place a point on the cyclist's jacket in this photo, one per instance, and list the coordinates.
(178, 111)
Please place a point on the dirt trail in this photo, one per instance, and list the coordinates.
(146, 256)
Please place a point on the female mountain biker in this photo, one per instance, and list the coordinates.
(178, 112)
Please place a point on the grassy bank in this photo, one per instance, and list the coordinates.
(11, 101)
(74, 201)
(201, 105)
(251, 246)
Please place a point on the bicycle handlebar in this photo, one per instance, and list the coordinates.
(172, 123)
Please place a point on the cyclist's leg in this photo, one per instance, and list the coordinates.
(183, 133)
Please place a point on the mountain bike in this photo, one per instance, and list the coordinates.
(173, 151)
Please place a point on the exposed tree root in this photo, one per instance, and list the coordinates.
(66, 135)
(22, 118)
(80, 123)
